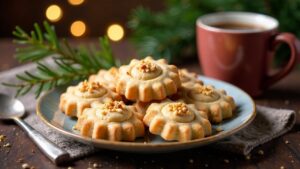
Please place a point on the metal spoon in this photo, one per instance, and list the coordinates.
(14, 109)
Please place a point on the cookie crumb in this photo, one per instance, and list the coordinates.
(286, 102)
(7, 145)
(226, 161)
(219, 129)
(282, 167)
(95, 165)
(287, 142)
(292, 161)
(20, 160)
(70, 168)
(261, 152)
(248, 157)
(191, 161)
(2, 137)
(25, 166)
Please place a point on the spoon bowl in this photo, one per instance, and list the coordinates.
(10, 108)
(14, 109)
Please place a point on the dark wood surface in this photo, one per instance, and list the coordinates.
(283, 152)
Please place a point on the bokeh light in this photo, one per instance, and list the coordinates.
(75, 2)
(115, 32)
(54, 13)
(78, 28)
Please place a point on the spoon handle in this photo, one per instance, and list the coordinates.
(53, 152)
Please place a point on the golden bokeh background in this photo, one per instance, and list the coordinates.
(73, 18)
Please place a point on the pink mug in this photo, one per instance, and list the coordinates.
(238, 47)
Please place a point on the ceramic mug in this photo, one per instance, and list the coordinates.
(237, 47)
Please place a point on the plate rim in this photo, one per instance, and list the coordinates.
(197, 142)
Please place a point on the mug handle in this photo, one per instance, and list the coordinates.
(294, 46)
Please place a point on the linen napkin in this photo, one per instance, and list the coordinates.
(268, 124)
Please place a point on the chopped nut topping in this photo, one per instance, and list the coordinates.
(114, 106)
(113, 71)
(180, 109)
(206, 90)
(89, 86)
(146, 66)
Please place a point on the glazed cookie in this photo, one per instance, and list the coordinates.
(216, 103)
(107, 78)
(177, 121)
(79, 97)
(189, 78)
(112, 121)
(146, 80)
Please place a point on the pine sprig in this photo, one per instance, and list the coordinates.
(67, 64)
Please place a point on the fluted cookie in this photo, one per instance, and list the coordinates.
(189, 78)
(147, 80)
(108, 78)
(79, 97)
(112, 121)
(141, 108)
(216, 103)
(177, 121)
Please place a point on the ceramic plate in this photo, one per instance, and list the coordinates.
(47, 110)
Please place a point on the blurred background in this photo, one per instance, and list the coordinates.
(72, 18)
(159, 28)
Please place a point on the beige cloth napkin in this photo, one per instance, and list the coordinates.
(268, 124)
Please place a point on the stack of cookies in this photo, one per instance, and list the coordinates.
(119, 104)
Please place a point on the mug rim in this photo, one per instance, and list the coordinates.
(200, 22)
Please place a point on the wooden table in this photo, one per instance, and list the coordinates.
(278, 153)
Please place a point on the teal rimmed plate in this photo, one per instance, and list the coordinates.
(47, 110)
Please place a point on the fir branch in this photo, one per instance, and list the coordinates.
(68, 64)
